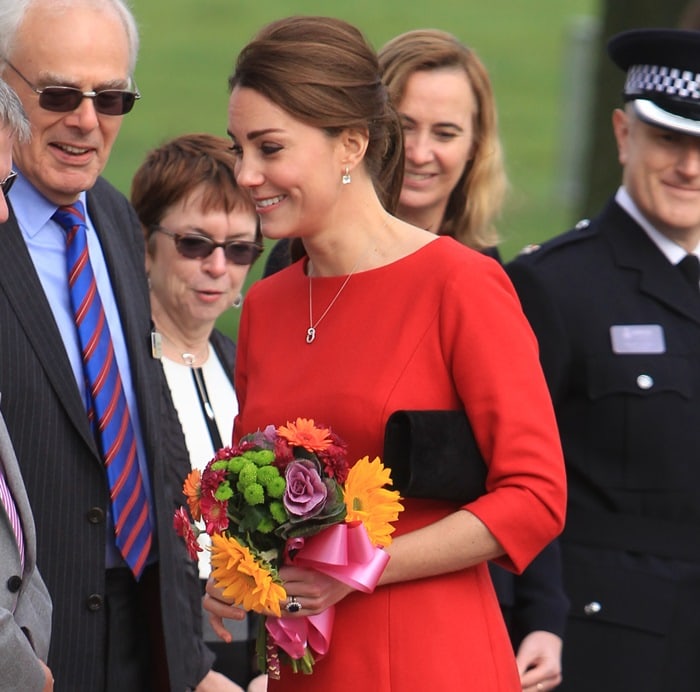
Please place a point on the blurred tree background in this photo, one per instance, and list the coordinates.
(188, 48)
(554, 86)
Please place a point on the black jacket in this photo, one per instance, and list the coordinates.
(619, 334)
(63, 472)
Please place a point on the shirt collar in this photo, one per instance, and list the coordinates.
(32, 209)
(673, 252)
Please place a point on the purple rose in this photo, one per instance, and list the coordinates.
(306, 493)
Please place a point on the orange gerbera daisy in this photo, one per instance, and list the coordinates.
(368, 501)
(304, 433)
(241, 577)
(192, 490)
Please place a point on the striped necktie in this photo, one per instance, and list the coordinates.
(12, 514)
(107, 408)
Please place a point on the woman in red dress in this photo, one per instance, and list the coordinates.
(383, 316)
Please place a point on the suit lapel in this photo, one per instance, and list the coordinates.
(20, 283)
(634, 251)
(25, 294)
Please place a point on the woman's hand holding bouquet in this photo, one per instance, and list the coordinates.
(291, 526)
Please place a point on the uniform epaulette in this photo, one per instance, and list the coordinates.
(572, 236)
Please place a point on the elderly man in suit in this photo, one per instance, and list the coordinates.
(86, 404)
(25, 605)
(615, 304)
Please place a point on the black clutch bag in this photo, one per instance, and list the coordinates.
(433, 455)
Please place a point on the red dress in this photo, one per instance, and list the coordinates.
(438, 329)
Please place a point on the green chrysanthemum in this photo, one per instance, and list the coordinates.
(275, 488)
(254, 494)
(260, 457)
(224, 491)
(247, 475)
(236, 464)
(266, 474)
(278, 512)
(265, 525)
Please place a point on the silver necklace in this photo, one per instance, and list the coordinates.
(188, 358)
(311, 331)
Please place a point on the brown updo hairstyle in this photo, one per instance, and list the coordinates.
(323, 72)
(177, 168)
(478, 197)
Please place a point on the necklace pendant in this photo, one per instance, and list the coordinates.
(310, 335)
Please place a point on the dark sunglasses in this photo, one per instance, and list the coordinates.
(7, 183)
(242, 252)
(63, 99)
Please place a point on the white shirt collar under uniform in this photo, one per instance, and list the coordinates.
(673, 252)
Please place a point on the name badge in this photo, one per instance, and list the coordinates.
(637, 338)
(156, 345)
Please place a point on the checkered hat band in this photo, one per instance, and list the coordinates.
(642, 79)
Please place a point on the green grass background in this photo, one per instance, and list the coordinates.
(188, 48)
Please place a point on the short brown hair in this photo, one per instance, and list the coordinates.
(173, 170)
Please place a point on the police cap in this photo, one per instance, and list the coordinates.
(663, 76)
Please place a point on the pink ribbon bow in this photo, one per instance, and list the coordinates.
(344, 552)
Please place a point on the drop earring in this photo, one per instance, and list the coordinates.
(346, 179)
(237, 301)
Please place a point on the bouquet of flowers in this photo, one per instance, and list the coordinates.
(287, 495)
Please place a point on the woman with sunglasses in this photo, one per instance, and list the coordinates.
(201, 238)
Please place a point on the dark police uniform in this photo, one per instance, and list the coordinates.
(619, 332)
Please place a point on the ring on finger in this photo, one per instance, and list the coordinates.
(293, 605)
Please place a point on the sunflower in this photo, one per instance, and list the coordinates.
(242, 578)
(368, 501)
(192, 489)
(303, 433)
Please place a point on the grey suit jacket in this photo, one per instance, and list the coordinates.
(25, 606)
(64, 476)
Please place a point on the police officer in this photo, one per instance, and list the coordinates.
(615, 304)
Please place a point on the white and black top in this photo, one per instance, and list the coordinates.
(206, 405)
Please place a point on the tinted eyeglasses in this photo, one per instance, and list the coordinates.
(8, 182)
(63, 99)
(194, 246)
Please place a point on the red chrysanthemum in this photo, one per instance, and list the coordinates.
(183, 528)
(284, 454)
(225, 453)
(335, 459)
(213, 513)
(211, 480)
